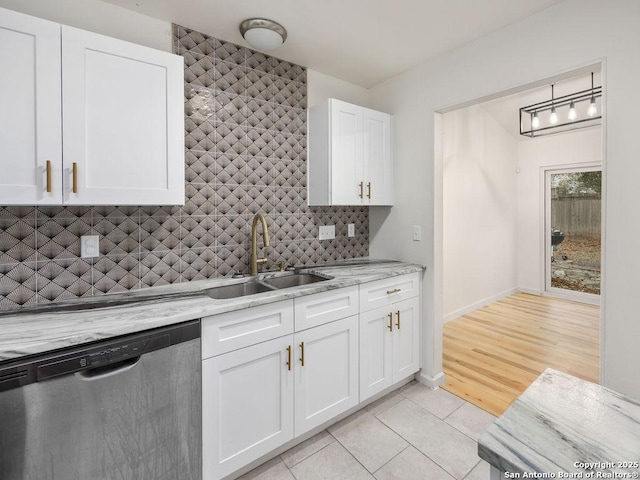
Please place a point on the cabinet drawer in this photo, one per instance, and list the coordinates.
(389, 290)
(230, 331)
(325, 307)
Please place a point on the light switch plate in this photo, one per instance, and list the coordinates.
(89, 246)
(351, 230)
(327, 232)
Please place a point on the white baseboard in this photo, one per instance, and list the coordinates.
(532, 291)
(480, 304)
(429, 381)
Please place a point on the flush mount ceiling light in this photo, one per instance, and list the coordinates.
(580, 110)
(263, 34)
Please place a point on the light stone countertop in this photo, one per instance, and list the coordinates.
(564, 424)
(50, 327)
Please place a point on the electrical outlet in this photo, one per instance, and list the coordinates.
(327, 232)
(417, 233)
(351, 230)
(89, 246)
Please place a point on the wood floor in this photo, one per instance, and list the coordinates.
(492, 354)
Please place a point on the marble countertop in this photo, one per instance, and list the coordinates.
(564, 424)
(50, 327)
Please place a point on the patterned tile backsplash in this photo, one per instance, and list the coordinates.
(245, 122)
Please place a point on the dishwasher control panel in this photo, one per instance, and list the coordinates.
(88, 357)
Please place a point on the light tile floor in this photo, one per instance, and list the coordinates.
(410, 434)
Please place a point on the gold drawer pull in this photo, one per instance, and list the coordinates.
(398, 323)
(289, 357)
(74, 177)
(395, 290)
(48, 176)
(361, 186)
(390, 326)
(302, 354)
(369, 190)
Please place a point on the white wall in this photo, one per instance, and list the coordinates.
(580, 147)
(321, 87)
(569, 35)
(480, 194)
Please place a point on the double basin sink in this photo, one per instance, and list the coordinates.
(263, 285)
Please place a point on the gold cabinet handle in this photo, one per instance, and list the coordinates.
(289, 357)
(395, 290)
(302, 354)
(48, 176)
(369, 190)
(361, 186)
(390, 326)
(74, 177)
(398, 322)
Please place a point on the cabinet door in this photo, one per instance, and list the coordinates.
(406, 338)
(30, 110)
(376, 347)
(377, 158)
(247, 406)
(326, 372)
(346, 153)
(123, 122)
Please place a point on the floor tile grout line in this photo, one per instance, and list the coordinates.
(309, 456)
(418, 449)
(396, 455)
(472, 468)
(349, 451)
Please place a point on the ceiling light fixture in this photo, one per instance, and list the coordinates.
(572, 108)
(263, 34)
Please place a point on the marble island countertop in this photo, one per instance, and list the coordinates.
(40, 329)
(568, 427)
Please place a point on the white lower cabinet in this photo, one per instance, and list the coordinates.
(326, 372)
(247, 406)
(389, 334)
(406, 339)
(389, 346)
(259, 392)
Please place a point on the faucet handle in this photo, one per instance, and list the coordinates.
(281, 265)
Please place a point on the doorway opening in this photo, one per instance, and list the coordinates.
(573, 209)
(501, 325)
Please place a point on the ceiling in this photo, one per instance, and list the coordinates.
(361, 41)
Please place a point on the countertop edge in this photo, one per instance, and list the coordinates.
(28, 334)
(561, 423)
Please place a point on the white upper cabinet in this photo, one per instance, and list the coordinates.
(30, 110)
(123, 124)
(349, 155)
(88, 119)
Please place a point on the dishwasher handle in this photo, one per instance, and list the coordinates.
(110, 370)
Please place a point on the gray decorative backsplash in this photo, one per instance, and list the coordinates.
(245, 127)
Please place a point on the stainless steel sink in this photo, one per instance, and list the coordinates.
(237, 290)
(254, 286)
(293, 280)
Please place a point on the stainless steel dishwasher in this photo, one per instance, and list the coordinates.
(127, 409)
